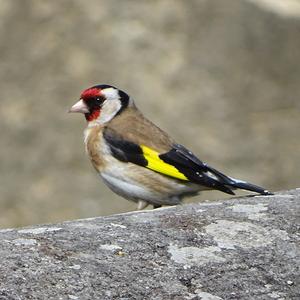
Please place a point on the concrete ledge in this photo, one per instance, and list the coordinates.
(243, 248)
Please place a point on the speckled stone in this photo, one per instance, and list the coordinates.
(195, 251)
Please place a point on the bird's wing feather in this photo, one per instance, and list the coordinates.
(196, 170)
(155, 163)
(183, 158)
(141, 155)
(178, 162)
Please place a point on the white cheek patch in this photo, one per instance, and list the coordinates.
(110, 93)
(109, 109)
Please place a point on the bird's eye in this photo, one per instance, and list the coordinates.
(98, 100)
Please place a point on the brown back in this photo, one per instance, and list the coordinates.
(133, 126)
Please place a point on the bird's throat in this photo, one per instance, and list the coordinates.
(93, 115)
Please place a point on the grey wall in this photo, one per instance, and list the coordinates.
(242, 248)
(221, 76)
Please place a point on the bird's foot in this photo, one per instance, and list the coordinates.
(142, 204)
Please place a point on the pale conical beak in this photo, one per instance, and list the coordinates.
(79, 107)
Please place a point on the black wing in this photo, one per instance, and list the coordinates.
(199, 172)
(196, 170)
(123, 150)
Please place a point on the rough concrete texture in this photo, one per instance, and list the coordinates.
(242, 248)
(222, 77)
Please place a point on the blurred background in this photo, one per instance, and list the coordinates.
(221, 76)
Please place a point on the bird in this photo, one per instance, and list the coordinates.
(139, 161)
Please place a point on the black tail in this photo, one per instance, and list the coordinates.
(232, 183)
(239, 184)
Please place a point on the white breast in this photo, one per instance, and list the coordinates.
(138, 183)
(127, 189)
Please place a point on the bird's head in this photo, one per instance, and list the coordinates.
(101, 103)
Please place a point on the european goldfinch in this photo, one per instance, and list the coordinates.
(138, 160)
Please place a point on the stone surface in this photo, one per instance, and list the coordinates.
(242, 248)
(222, 77)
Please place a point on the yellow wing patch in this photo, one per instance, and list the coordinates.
(158, 165)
